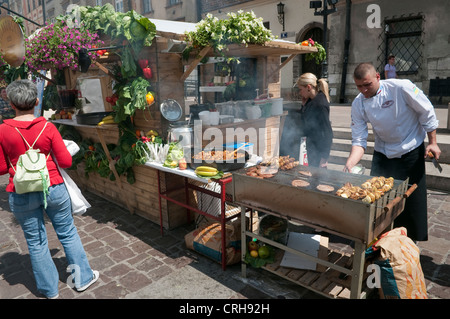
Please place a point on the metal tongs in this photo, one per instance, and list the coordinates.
(435, 162)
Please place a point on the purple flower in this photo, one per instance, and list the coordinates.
(57, 45)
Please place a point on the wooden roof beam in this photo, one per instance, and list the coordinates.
(194, 63)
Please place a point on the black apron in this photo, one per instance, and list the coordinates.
(412, 165)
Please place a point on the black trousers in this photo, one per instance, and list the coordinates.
(412, 165)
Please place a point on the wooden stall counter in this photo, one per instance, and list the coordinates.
(141, 197)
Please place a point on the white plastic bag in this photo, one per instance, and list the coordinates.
(72, 147)
(79, 202)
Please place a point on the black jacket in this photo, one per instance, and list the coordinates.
(312, 121)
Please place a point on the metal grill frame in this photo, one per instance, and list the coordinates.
(348, 218)
(374, 216)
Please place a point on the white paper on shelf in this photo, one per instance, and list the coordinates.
(91, 89)
(306, 243)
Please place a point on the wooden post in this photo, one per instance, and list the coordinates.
(113, 168)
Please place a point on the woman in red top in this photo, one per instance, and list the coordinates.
(28, 208)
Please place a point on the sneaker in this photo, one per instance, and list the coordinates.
(94, 279)
(54, 297)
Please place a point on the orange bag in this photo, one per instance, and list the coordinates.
(399, 261)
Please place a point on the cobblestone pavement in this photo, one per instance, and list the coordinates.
(135, 261)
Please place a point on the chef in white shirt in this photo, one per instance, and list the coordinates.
(401, 117)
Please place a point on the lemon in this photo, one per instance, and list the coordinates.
(254, 253)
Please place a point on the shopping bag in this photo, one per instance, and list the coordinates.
(79, 202)
(398, 259)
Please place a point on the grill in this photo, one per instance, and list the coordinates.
(349, 218)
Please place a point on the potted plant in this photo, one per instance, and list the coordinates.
(240, 28)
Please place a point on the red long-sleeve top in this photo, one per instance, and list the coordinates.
(12, 145)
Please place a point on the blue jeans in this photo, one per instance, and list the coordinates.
(28, 210)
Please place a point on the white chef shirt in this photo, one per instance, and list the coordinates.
(400, 115)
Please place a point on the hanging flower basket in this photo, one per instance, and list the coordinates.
(57, 45)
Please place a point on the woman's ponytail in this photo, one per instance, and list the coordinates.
(322, 85)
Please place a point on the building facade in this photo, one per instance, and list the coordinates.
(416, 32)
(46, 10)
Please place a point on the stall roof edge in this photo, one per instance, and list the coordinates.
(173, 26)
(176, 30)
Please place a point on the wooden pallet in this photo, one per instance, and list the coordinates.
(329, 283)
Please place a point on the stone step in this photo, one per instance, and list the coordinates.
(343, 136)
(340, 144)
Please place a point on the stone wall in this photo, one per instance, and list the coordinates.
(365, 42)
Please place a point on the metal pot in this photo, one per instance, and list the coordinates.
(181, 132)
(91, 118)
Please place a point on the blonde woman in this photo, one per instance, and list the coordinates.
(315, 118)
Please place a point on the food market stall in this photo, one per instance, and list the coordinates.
(169, 71)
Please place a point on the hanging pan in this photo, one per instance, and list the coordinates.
(171, 110)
